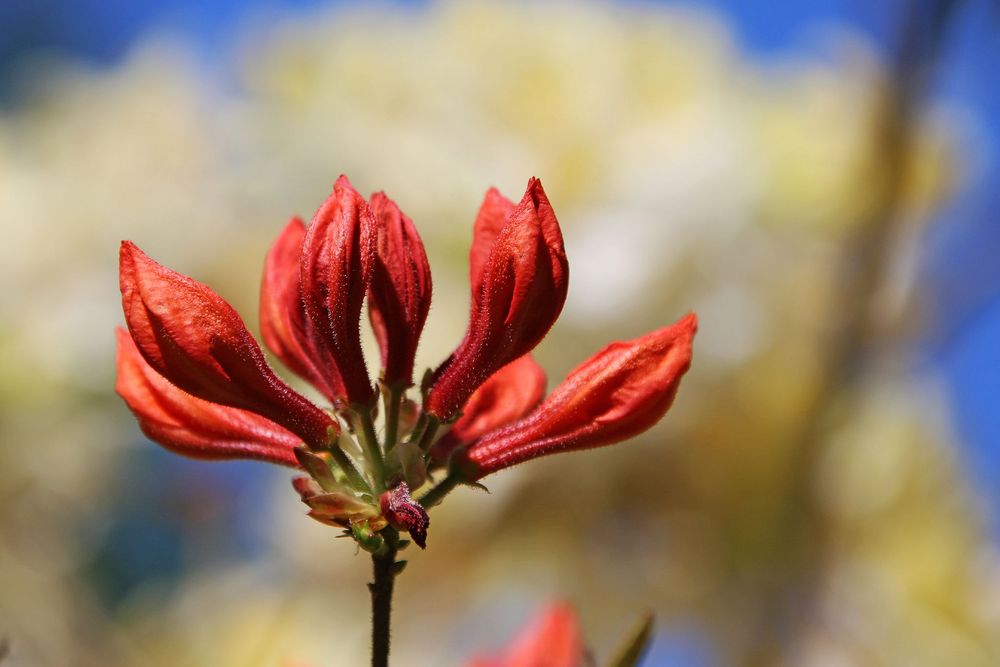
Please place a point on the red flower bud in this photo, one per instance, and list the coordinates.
(520, 295)
(195, 340)
(400, 292)
(506, 396)
(337, 259)
(193, 427)
(490, 220)
(405, 513)
(282, 318)
(619, 392)
(553, 639)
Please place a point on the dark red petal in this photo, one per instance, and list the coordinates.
(400, 293)
(620, 392)
(491, 218)
(524, 285)
(193, 427)
(552, 639)
(338, 255)
(282, 319)
(192, 337)
(404, 513)
(506, 396)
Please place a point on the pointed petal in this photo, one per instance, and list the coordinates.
(338, 505)
(198, 342)
(306, 487)
(400, 292)
(618, 393)
(552, 639)
(492, 215)
(524, 285)
(338, 508)
(337, 259)
(282, 319)
(193, 427)
(318, 468)
(506, 396)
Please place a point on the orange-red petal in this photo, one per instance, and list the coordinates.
(509, 394)
(338, 256)
(524, 283)
(400, 294)
(282, 318)
(198, 342)
(552, 639)
(493, 214)
(619, 392)
(191, 426)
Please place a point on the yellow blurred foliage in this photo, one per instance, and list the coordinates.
(798, 512)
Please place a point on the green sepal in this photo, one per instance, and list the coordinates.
(366, 538)
(425, 384)
(631, 651)
(318, 469)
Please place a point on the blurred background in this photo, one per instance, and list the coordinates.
(819, 181)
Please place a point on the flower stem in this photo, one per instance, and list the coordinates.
(347, 465)
(364, 428)
(437, 493)
(384, 574)
(392, 403)
(427, 436)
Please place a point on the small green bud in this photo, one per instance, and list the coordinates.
(368, 539)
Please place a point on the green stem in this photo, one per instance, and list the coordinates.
(418, 430)
(364, 428)
(393, 398)
(384, 576)
(438, 492)
(347, 465)
(427, 436)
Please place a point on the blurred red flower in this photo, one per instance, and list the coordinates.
(552, 639)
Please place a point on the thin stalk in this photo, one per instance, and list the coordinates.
(364, 429)
(427, 436)
(438, 492)
(418, 430)
(393, 398)
(347, 465)
(384, 576)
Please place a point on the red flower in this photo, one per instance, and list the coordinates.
(518, 291)
(282, 317)
(618, 393)
(506, 396)
(400, 293)
(338, 255)
(192, 426)
(199, 384)
(188, 334)
(552, 639)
